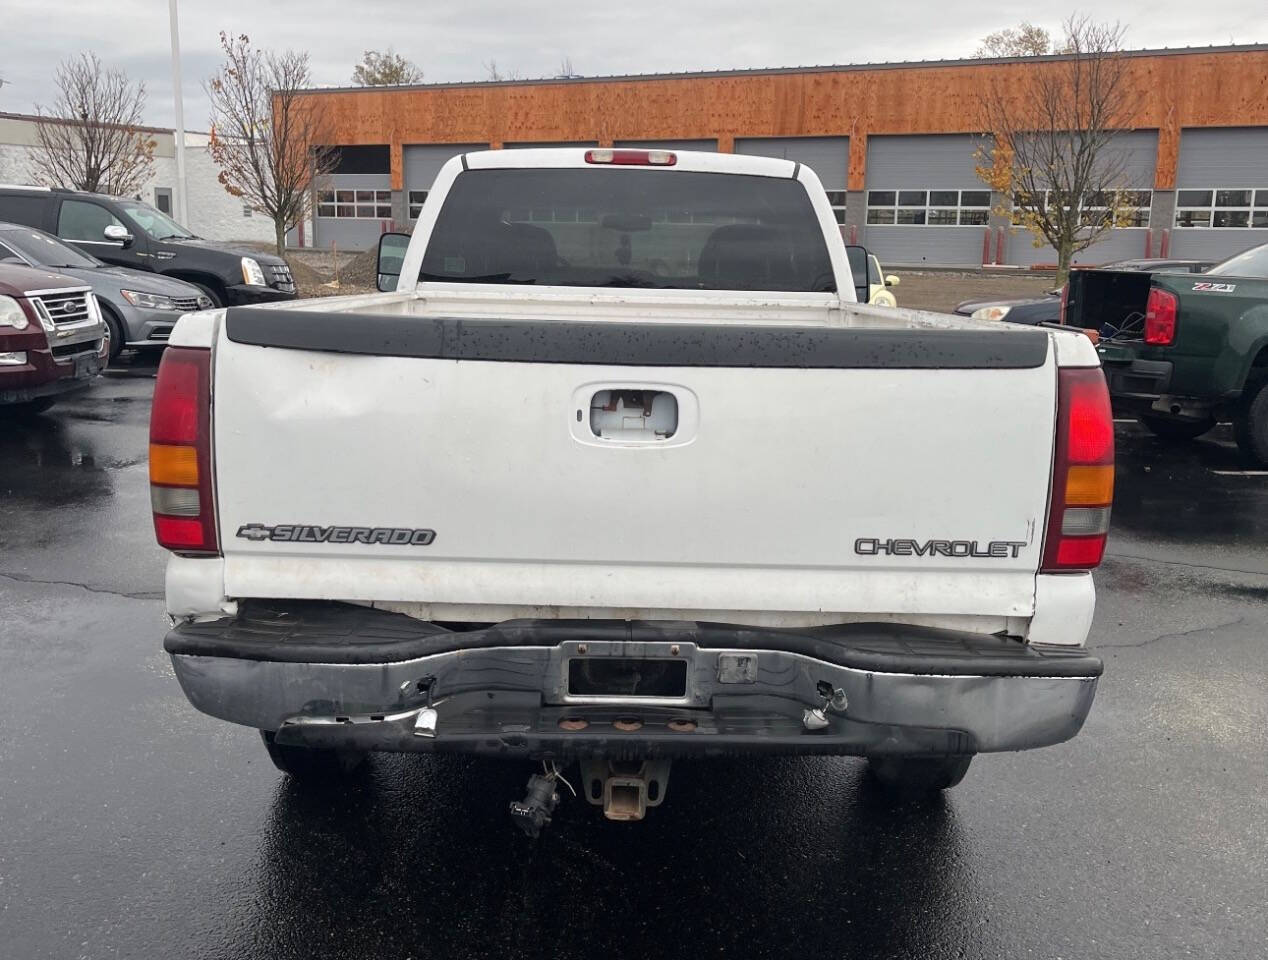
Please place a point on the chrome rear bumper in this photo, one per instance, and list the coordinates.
(879, 688)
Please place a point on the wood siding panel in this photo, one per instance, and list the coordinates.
(1177, 91)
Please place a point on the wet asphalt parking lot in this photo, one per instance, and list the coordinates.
(133, 826)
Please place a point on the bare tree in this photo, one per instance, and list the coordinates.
(497, 75)
(1054, 153)
(267, 137)
(565, 71)
(386, 69)
(90, 138)
(1023, 40)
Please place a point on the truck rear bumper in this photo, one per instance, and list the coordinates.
(336, 675)
(1137, 380)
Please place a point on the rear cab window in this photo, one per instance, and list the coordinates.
(629, 228)
(1248, 263)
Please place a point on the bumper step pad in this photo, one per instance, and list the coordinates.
(329, 632)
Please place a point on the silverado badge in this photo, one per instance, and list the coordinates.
(312, 533)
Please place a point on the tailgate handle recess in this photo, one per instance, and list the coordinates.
(632, 414)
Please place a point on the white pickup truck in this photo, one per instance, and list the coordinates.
(619, 472)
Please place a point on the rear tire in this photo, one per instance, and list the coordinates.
(1251, 425)
(311, 764)
(918, 775)
(1176, 430)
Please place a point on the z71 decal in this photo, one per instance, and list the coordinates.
(1207, 287)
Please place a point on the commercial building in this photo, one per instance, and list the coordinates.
(894, 145)
(213, 213)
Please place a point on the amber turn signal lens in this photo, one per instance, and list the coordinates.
(1089, 486)
(173, 466)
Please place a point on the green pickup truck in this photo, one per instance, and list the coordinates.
(1182, 351)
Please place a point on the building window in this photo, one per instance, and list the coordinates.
(247, 211)
(836, 199)
(1096, 209)
(1133, 208)
(929, 208)
(355, 204)
(163, 199)
(1222, 207)
(588, 215)
(416, 200)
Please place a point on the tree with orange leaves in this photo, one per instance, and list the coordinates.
(270, 142)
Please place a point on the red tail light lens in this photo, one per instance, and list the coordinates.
(180, 453)
(633, 158)
(1160, 317)
(1082, 473)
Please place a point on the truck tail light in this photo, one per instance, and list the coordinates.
(180, 453)
(633, 158)
(1160, 317)
(1082, 473)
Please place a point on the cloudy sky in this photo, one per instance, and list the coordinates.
(454, 40)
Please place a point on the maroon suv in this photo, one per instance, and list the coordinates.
(52, 339)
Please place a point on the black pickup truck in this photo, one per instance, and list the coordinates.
(1183, 352)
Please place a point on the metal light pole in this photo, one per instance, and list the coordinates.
(182, 204)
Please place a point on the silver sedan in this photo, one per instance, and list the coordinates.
(140, 308)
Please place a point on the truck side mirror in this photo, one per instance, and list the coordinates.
(392, 247)
(116, 233)
(857, 258)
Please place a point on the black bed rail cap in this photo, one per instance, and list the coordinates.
(637, 344)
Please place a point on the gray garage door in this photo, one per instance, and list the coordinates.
(1222, 180)
(829, 157)
(1139, 154)
(919, 165)
(361, 206)
(709, 146)
(423, 162)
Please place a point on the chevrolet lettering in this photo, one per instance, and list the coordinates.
(873, 547)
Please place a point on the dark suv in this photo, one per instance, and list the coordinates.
(130, 233)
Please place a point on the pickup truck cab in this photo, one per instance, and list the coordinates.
(1183, 352)
(52, 338)
(620, 472)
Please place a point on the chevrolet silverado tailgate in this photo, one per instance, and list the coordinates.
(629, 467)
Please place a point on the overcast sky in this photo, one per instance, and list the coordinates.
(454, 40)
